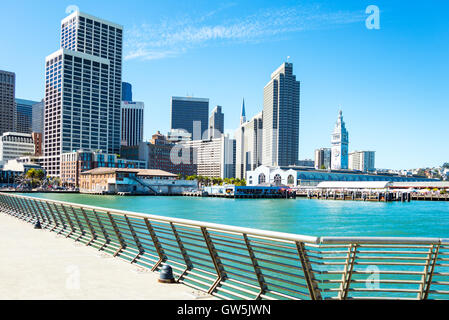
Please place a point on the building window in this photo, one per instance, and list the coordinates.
(262, 178)
(291, 180)
(277, 180)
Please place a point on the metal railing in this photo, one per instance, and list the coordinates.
(241, 263)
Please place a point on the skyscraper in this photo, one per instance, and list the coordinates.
(323, 158)
(83, 89)
(281, 118)
(362, 161)
(37, 123)
(132, 123)
(248, 150)
(186, 111)
(340, 142)
(23, 117)
(127, 91)
(216, 123)
(7, 103)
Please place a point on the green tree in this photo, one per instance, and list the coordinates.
(446, 165)
(323, 167)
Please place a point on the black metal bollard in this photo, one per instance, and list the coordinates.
(37, 225)
(166, 274)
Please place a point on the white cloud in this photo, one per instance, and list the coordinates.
(170, 38)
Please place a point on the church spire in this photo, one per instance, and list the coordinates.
(243, 116)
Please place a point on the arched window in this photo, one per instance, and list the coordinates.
(262, 178)
(277, 179)
(291, 180)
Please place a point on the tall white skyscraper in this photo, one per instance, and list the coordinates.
(281, 118)
(132, 123)
(83, 89)
(248, 154)
(340, 142)
(362, 161)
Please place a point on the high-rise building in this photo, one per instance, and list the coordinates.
(14, 145)
(216, 123)
(340, 142)
(132, 123)
(37, 122)
(281, 118)
(83, 89)
(214, 158)
(248, 150)
(323, 158)
(243, 113)
(157, 154)
(23, 118)
(37, 140)
(362, 161)
(191, 115)
(127, 91)
(7, 101)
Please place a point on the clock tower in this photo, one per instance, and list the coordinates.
(340, 142)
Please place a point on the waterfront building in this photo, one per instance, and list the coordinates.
(157, 154)
(362, 161)
(190, 114)
(37, 121)
(248, 140)
(83, 89)
(12, 169)
(7, 101)
(137, 181)
(23, 115)
(37, 140)
(340, 142)
(323, 158)
(132, 123)
(74, 163)
(127, 92)
(14, 145)
(216, 123)
(304, 177)
(281, 118)
(214, 158)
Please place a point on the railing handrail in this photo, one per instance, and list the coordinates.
(256, 232)
(194, 223)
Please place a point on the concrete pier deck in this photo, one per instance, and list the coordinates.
(37, 264)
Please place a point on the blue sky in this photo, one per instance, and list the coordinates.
(391, 83)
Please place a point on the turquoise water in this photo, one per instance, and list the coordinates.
(300, 216)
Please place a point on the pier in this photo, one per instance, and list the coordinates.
(224, 261)
(43, 265)
(371, 196)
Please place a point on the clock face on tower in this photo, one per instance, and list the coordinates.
(337, 153)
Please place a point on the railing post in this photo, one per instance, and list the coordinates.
(157, 245)
(347, 273)
(117, 233)
(30, 212)
(136, 239)
(91, 229)
(78, 222)
(45, 219)
(221, 275)
(428, 274)
(55, 220)
(184, 253)
(309, 276)
(103, 231)
(257, 270)
(69, 220)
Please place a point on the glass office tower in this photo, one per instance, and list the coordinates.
(185, 111)
(83, 89)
